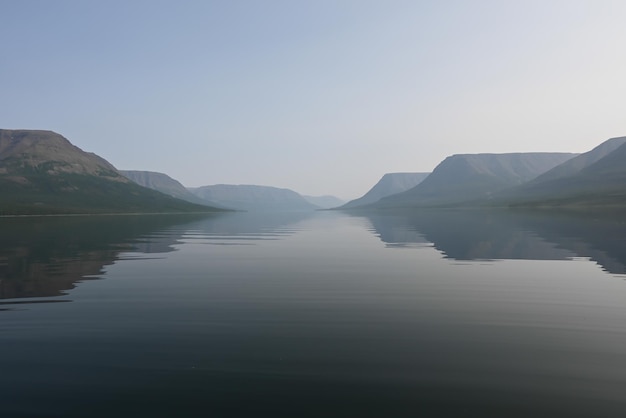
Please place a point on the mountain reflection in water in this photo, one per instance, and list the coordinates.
(310, 315)
(508, 235)
(47, 256)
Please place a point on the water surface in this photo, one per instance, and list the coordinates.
(435, 314)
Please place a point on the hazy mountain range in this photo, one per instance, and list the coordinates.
(253, 198)
(237, 197)
(389, 184)
(470, 177)
(41, 172)
(595, 178)
(324, 202)
(165, 184)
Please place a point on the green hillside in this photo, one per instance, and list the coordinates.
(43, 173)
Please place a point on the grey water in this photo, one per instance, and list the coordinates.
(433, 314)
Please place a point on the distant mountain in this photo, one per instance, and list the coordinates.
(576, 164)
(465, 178)
(41, 172)
(389, 184)
(324, 202)
(595, 178)
(253, 198)
(165, 184)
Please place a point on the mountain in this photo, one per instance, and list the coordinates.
(41, 172)
(45, 152)
(464, 178)
(253, 198)
(165, 184)
(324, 202)
(389, 184)
(595, 178)
(576, 164)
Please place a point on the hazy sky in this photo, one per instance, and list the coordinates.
(322, 97)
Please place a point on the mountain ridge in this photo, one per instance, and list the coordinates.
(598, 178)
(462, 178)
(252, 197)
(49, 152)
(581, 161)
(163, 183)
(42, 172)
(389, 184)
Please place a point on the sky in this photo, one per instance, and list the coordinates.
(319, 96)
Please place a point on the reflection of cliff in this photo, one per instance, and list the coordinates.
(47, 256)
(396, 231)
(467, 235)
(598, 236)
(475, 235)
(471, 235)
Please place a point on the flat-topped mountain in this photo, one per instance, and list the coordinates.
(595, 178)
(389, 184)
(253, 198)
(165, 184)
(465, 178)
(41, 172)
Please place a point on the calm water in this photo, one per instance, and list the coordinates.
(435, 314)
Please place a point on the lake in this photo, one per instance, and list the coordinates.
(431, 313)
